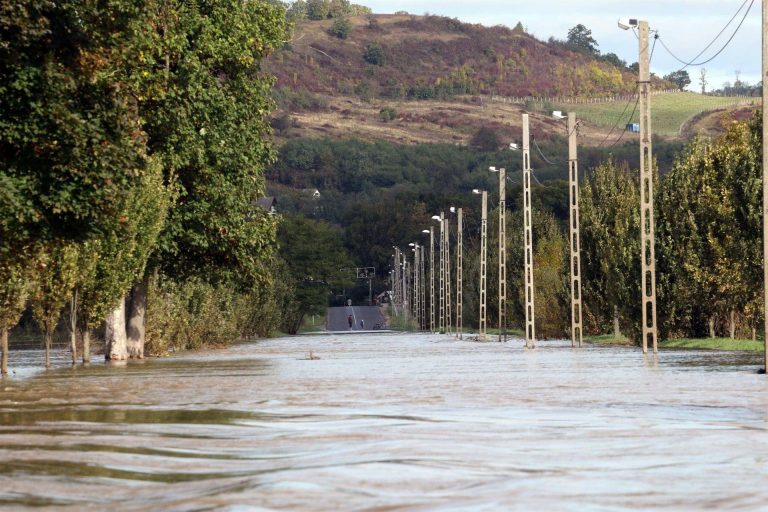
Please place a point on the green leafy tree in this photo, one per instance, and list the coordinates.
(314, 256)
(53, 285)
(680, 78)
(610, 231)
(580, 38)
(205, 108)
(374, 54)
(340, 28)
(486, 139)
(318, 9)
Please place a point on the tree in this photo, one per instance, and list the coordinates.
(614, 60)
(374, 54)
(53, 285)
(318, 9)
(486, 139)
(314, 255)
(703, 80)
(580, 38)
(610, 231)
(680, 78)
(340, 28)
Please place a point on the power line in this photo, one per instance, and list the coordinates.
(547, 160)
(621, 116)
(693, 63)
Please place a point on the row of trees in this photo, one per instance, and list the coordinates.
(132, 137)
(708, 242)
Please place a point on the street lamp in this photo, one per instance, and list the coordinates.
(431, 232)
(502, 251)
(483, 261)
(647, 224)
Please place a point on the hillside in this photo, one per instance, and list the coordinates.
(426, 57)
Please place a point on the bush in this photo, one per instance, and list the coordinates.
(340, 28)
(374, 54)
(486, 139)
(387, 114)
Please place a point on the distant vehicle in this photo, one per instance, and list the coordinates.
(633, 127)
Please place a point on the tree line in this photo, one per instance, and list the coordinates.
(133, 136)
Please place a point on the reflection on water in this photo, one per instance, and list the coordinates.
(389, 421)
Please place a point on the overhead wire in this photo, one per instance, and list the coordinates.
(738, 27)
(547, 160)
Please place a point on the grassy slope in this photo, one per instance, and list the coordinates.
(669, 111)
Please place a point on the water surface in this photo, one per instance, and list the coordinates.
(389, 422)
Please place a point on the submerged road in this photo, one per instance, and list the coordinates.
(370, 316)
(389, 422)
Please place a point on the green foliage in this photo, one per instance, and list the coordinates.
(340, 28)
(486, 139)
(204, 107)
(710, 226)
(610, 232)
(121, 253)
(580, 38)
(374, 54)
(387, 114)
(314, 256)
(680, 78)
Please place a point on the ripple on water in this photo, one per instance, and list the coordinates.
(390, 421)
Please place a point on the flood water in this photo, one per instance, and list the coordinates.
(389, 422)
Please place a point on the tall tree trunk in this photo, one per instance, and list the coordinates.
(712, 327)
(137, 316)
(73, 326)
(732, 326)
(115, 336)
(47, 338)
(4, 348)
(754, 334)
(616, 326)
(86, 346)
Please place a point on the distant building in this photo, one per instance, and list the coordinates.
(313, 192)
(633, 127)
(269, 204)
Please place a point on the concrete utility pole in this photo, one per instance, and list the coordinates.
(396, 280)
(483, 265)
(765, 180)
(448, 316)
(647, 243)
(459, 275)
(575, 240)
(405, 288)
(441, 326)
(422, 279)
(431, 279)
(502, 254)
(415, 285)
(530, 311)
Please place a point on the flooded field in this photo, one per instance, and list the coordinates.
(385, 422)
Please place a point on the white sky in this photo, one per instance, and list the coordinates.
(686, 26)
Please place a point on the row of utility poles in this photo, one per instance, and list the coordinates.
(439, 317)
(647, 223)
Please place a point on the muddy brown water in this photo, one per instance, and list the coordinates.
(388, 422)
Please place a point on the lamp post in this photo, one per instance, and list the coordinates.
(441, 273)
(483, 262)
(448, 301)
(431, 232)
(530, 311)
(502, 251)
(647, 239)
(459, 274)
(573, 227)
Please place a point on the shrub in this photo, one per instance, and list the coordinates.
(340, 28)
(387, 114)
(374, 54)
(486, 139)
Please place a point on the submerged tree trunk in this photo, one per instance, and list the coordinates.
(73, 326)
(732, 326)
(4, 348)
(86, 346)
(712, 327)
(137, 315)
(47, 339)
(616, 326)
(114, 336)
